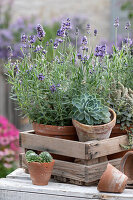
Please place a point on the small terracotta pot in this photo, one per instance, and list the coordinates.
(117, 131)
(126, 166)
(98, 132)
(112, 180)
(62, 132)
(40, 173)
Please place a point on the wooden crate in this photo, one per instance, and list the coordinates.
(92, 152)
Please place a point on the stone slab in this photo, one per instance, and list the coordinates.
(18, 186)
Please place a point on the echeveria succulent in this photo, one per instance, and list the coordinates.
(89, 110)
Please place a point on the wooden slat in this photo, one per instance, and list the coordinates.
(53, 145)
(105, 147)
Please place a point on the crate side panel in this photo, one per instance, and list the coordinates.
(105, 147)
(53, 145)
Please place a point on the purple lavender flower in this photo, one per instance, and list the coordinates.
(84, 40)
(10, 53)
(128, 41)
(51, 41)
(56, 44)
(53, 88)
(47, 44)
(84, 59)
(16, 68)
(60, 40)
(116, 24)
(40, 32)
(23, 38)
(88, 28)
(66, 25)
(41, 77)
(44, 51)
(128, 24)
(95, 32)
(77, 31)
(32, 39)
(61, 33)
(100, 50)
(58, 85)
(38, 48)
(79, 56)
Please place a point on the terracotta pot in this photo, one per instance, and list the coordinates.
(40, 173)
(117, 131)
(112, 180)
(98, 132)
(126, 165)
(62, 132)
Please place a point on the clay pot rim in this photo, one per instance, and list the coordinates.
(61, 127)
(100, 126)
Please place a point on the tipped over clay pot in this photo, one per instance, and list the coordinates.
(126, 166)
(98, 132)
(112, 180)
(40, 173)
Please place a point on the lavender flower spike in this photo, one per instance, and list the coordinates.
(84, 40)
(128, 24)
(32, 39)
(116, 24)
(53, 88)
(40, 32)
(95, 32)
(41, 77)
(88, 28)
(23, 38)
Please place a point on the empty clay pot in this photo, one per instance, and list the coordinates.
(112, 180)
(98, 132)
(126, 166)
(40, 173)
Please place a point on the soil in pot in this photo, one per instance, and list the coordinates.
(40, 173)
(99, 132)
(117, 131)
(112, 180)
(62, 132)
(126, 166)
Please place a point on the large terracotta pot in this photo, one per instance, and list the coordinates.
(117, 131)
(98, 132)
(126, 166)
(62, 132)
(112, 180)
(40, 173)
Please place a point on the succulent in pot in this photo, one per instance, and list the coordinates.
(91, 118)
(40, 167)
(121, 100)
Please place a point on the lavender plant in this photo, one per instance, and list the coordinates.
(44, 88)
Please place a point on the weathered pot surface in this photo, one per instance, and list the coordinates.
(99, 132)
(112, 180)
(40, 173)
(126, 166)
(64, 132)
